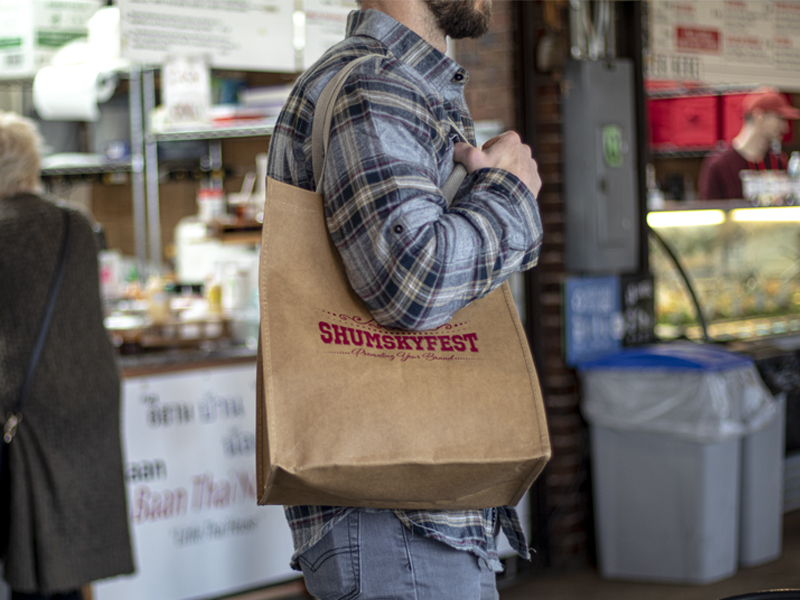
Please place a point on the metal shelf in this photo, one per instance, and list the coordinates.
(698, 90)
(216, 133)
(98, 169)
(683, 153)
(726, 205)
(17, 81)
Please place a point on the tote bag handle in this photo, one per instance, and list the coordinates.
(320, 131)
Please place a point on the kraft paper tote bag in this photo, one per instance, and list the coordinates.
(350, 413)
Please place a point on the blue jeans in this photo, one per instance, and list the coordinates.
(373, 556)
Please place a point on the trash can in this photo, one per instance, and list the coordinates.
(762, 491)
(666, 427)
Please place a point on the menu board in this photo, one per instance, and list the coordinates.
(637, 294)
(736, 42)
(326, 25)
(254, 35)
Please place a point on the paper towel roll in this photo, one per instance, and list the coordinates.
(71, 92)
(104, 32)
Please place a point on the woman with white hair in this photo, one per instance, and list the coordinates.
(63, 515)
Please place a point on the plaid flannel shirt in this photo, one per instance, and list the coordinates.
(413, 259)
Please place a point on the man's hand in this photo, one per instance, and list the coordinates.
(507, 152)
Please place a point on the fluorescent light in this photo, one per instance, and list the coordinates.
(767, 214)
(685, 218)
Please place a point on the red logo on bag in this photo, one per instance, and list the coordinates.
(367, 339)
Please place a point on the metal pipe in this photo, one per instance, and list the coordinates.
(151, 166)
(137, 168)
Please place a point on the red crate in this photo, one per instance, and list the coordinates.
(683, 123)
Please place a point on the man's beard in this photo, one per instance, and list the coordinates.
(459, 19)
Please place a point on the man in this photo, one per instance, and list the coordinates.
(765, 113)
(399, 123)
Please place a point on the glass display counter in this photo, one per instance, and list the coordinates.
(743, 263)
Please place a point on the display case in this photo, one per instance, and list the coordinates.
(725, 271)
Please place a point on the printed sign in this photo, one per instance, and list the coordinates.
(31, 32)
(612, 145)
(593, 315)
(189, 446)
(256, 35)
(326, 25)
(186, 91)
(736, 42)
(638, 309)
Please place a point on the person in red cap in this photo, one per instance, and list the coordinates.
(765, 113)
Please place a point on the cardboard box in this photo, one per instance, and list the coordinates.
(32, 31)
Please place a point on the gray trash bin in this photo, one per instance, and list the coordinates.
(762, 491)
(667, 424)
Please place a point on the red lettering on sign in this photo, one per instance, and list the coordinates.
(697, 39)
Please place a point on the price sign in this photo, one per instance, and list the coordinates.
(745, 42)
(593, 315)
(638, 309)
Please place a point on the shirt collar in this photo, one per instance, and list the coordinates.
(437, 68)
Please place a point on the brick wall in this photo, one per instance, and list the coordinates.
(503, 86)
(567, 492)
(492, 88)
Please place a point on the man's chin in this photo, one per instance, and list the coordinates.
(460, 19)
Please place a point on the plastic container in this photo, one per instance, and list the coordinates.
(667, 423)
(666, 509)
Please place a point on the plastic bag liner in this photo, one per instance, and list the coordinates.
(693, 391)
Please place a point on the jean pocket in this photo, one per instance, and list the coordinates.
(331, 568)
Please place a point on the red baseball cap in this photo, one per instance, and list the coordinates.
(769, 101)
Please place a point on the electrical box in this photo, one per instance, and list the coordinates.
(600, 181)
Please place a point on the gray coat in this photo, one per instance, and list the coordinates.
(69, 521)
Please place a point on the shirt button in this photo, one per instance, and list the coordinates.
(459, 77)
(398, 229)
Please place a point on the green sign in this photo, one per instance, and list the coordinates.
(15, 42)
(612, 145)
